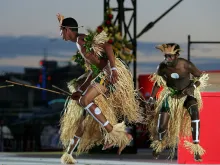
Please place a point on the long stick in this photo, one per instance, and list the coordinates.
(30, 86)
(61, 89)
(6, 86)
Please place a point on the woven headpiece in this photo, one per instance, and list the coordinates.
(169, 48)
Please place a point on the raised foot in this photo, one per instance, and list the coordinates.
(197, 158)
(107, 146)
(122, 147)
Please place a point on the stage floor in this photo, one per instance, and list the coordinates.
(87, 159)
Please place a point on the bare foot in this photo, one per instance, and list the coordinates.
(122, 147)
(107, 146)
(197, 158)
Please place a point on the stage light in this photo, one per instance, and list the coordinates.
(41, 63)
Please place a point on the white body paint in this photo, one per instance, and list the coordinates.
(175, 75)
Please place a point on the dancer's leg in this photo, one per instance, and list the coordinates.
(87, 101)
(192, 107)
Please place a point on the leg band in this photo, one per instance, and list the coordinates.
(196, 130)
(106, 123)
(160, 134)
(97, 111)
(158, 122)
(72, 142)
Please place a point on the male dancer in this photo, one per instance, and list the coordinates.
(107, 94)
(179, 102)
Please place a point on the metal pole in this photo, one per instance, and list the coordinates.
(135, 44)
(189, 43)
(152, 23)
(205, 42)
(120, 14)
(2, 140)
(106, 6)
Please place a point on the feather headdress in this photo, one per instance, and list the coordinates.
(169, 48)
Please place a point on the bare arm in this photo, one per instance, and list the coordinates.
(86, 83)
(82, 87)
(155, 90)
(111, 57)
(195, 72)
(110, 54)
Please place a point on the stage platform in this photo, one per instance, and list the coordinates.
(143, 157)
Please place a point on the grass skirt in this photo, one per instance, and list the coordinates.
(179, 123)
(121, 105)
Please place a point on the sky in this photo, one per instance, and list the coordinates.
(200, 18)
(24, 18)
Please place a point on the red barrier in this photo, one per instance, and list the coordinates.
(145, 85)
(209, 132)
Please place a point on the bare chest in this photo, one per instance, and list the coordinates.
(88, 56)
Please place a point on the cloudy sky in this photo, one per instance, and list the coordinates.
(21, 19)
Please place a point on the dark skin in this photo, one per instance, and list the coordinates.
(184, 68)
(91, 57)
(100, 63)
(92, 92)
(69, 35)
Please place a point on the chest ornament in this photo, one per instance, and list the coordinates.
(175, 75)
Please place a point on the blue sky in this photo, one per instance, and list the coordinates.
(20, 18)
(200, 18)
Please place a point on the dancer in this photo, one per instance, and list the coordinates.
(177, 108)
(105, 92)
